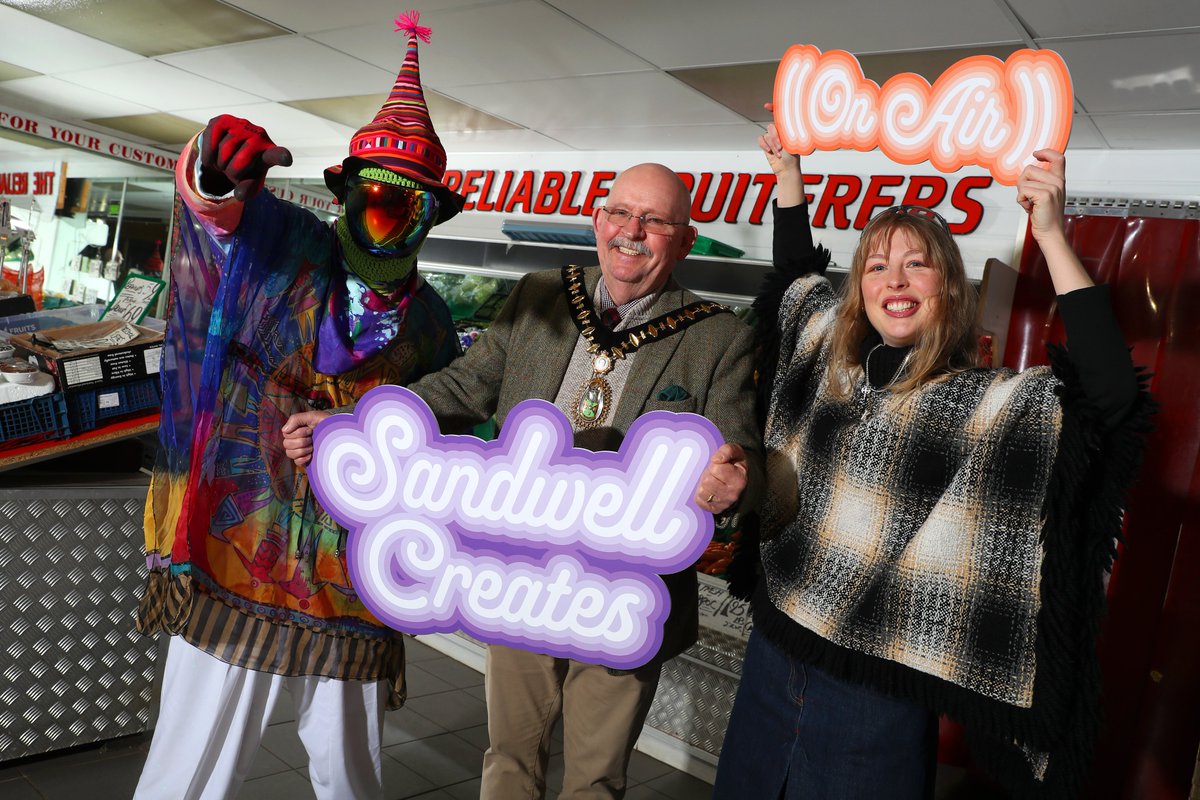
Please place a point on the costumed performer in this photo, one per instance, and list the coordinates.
(274, 311)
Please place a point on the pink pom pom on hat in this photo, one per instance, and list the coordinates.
(401, 137)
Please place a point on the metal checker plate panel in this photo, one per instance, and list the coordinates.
(696, 692)
(73, 669)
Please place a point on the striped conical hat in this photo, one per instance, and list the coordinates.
(401, 137)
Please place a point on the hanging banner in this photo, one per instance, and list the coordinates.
(525, 541)
(98, 143)
(981, 111)
(319, 200)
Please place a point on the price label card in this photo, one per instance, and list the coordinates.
(134, 299)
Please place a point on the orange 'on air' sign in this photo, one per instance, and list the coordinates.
(979, 111)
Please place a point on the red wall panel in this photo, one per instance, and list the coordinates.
(1150, 646)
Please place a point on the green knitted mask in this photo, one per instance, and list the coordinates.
(381, 229)
(382, 273)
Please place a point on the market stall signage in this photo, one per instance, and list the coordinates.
(980, 111)
(100, 143)
(22, 183)
(722, 196)
(525, 541)
(322, 202)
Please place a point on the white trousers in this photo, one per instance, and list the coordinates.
(212, 717)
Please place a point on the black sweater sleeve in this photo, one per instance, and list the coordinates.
(1099, 352)
(794, 254)
(792, 248)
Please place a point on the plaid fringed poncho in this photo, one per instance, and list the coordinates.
(946, 546)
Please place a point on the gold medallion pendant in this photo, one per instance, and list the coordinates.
(591, 405)
(593, 401)
(594, 397)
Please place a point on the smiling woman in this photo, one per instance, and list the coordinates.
(926, 543)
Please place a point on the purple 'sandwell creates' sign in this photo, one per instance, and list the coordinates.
(526, 541)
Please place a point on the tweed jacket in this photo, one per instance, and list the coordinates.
(525, 353)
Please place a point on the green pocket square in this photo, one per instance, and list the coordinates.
(673, 392)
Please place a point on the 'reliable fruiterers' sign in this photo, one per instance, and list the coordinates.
(980, 111)
(526, 541)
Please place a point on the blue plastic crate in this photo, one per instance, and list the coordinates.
(34, 420)
(88, 408)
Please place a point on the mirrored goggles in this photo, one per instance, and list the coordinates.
(385, 219)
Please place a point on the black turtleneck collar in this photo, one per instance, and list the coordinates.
(885, 360)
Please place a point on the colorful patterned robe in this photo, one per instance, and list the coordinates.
(244, 563)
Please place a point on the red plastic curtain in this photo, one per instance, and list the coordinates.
(1150, 649)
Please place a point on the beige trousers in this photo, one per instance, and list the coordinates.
(602, 718)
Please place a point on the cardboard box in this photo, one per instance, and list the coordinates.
(104, 366)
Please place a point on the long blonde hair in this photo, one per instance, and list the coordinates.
(948, 344)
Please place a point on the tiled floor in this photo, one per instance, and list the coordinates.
(433, 750)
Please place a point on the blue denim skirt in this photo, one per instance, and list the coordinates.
(797, 733)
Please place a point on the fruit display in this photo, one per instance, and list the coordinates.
(716, 557)
(467, 295)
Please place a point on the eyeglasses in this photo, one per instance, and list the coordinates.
(386, 219)
(915, 211)
(650, 223)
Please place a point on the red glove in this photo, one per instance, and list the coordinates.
(236, 155)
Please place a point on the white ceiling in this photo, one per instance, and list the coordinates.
(555, 75)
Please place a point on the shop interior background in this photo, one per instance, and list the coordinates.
(562, 86)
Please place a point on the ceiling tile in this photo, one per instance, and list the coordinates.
(159, 85)
(742, 88)
(65, 101)
(745, 87)
(159, 127)
(286, 68)
(155, 27)
(10, 72)
(929, 64)
(715, 32)
(353, 111)
(664, 137)
(1049, 18)
(447, 114)
(310, 16)
(1084, 134)
(511, 141)
(1151, 131)
(450, 115)
(1145, 73)
(489, 44)
(44, 47)
(597, 101)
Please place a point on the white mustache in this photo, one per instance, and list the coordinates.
(629, 244)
